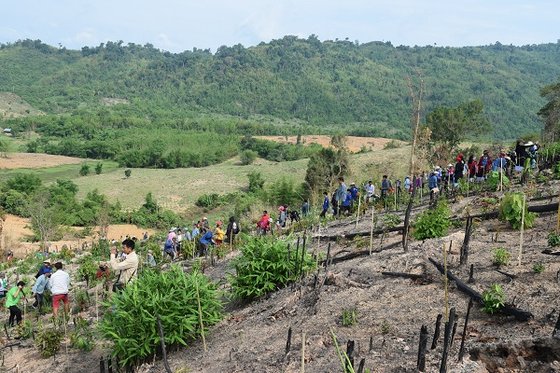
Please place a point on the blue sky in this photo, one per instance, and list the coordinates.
(176, 25)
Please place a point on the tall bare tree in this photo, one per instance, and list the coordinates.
(44, 220)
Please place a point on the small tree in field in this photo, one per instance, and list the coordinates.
(247, 157)
(98, 168)
(127, 172)
(84, 170)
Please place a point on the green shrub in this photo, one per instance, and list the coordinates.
(24, 329)
(349, 317)
(131, 324)
(208, 200)
(84, 169)
(127, 173)
(87, 270)
(98, 168)
(493, 180)
(256, 181)
(553, 239)
(432, 223)
(538, 267)
(501, 256)
(247, 156)
(511, 210)
(493, 299)
(48, 341)
(265, 265)
(82, 336)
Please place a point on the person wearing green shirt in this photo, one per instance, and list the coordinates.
(12, 300)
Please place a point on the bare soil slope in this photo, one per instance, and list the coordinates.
(353, 143)
(35, 160)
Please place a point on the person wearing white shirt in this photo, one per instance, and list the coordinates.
(59, 284)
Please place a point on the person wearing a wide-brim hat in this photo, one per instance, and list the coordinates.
(45, 268)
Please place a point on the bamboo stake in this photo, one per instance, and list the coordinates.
(358, 214)
(302, 352)
(522, 229)
(96, 307)
(200, 318)
(558, 217)
(445, 284)
(371, 231)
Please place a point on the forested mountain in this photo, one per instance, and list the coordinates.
(362, 87)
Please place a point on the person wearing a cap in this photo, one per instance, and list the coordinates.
(59, 285)
(45, 268)
(38, 289)
(12, 300)
(127, 268)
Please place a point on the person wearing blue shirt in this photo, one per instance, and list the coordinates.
(195, 232)
(433, 185)
(205, 241)
(340, 195)
(38, 289)
(347, 203)
(325, 204)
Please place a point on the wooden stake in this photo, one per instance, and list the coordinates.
(302, 352)
(522, 229)
(558, 217)
(437, 331)
(445, 283)
(371, 231)
(288, 341)
(358, 214)
(200, 318)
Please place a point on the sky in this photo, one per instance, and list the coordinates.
(175, 25)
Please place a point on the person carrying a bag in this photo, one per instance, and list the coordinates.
(128, 267)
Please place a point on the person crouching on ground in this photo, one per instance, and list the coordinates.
(59, 284)
(12, 300)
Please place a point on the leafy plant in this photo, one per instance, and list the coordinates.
(127, 173)
(208, 200)
(265, 265)
(349, 317)
(247, 156)
(24, 329)
(84, 169)
(553, 239)
(501, 256)
(391, 220)
(98, 168)
(432, 223)
(82, 336)
(82, 300)
(511, 210)
(87, 270)
(493, 299)
(48, 341)
(538, 267)
(385, 327)
(493, 180)
(131, 323)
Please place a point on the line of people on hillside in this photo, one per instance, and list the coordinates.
(201, 235)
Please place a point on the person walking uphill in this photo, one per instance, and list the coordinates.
(326, 203)
(12, 300)
(340, 195)
(59, 284)
(128, 267)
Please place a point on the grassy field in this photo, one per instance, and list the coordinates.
(178, 189)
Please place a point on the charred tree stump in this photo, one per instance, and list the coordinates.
(437, 331)
(507, 309)
(508, 275)
(361, 366)
(462, 348)
(101, 365)
(350, 355)
(422, 347)
(453, 333)
(358, 254)
(289, 341)
(109, 365)
(471, 275)
(326, 262)
(447, 337)
(464, 257)
(370, 344)
(556, 327)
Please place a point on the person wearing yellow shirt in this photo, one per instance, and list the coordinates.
(219, 233)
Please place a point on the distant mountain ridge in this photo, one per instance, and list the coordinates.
(331, 82)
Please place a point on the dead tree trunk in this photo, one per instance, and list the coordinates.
(510, 310)
(465, 247)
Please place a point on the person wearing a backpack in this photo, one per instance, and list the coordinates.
(232, 230)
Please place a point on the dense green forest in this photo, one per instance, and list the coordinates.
(116, 100)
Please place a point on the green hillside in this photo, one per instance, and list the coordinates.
(285, 86)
